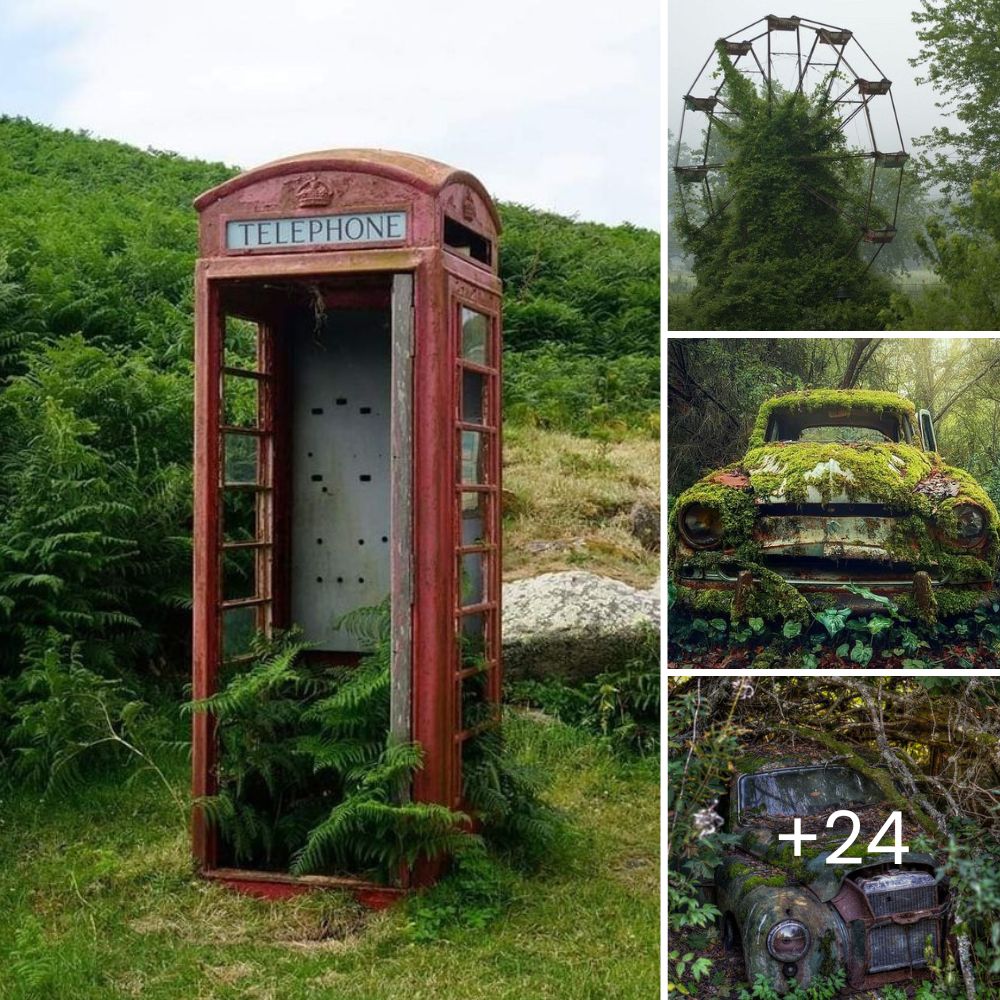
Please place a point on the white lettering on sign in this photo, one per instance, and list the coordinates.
(315, 230)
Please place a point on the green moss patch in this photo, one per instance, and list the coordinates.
(811, 400)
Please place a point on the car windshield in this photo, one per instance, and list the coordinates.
(805, 791)
(837, 425)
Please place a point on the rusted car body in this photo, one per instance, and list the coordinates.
(837, 488)
(798, 918)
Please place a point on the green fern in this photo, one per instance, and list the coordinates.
(309, 780)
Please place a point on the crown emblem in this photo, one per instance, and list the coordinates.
(313, 193)
(468, 207)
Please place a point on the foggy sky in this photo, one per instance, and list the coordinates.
(883, 27)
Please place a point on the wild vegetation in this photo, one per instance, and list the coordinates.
(929, 742)
(773, 260)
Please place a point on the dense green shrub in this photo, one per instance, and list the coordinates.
(556, 388)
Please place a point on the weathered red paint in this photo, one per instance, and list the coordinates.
(444, 280)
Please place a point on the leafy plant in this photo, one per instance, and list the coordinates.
(311, 781)
(820, 988)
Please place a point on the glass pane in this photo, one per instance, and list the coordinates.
(239, 574)
(472, 640)
(239, 349)
(241, 458)
(472, 460)
(238, 628)
(239, 515)
(239, 401)
(473, 396)
(806, 791)
(475, 336)
(471, 579)
(474, 508)
(474, 703)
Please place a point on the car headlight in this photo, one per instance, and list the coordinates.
(788, 940)
(700, 525)
(971, 524)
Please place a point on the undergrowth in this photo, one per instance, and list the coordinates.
(890, 636)
(622, 706)
(310, 780)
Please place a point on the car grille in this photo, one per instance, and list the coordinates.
(900, 946)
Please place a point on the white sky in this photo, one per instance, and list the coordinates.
(883, 27)
(553, 104)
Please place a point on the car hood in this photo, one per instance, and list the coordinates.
(820, 878)
(798, 472)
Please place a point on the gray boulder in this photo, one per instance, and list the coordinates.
(573, 625)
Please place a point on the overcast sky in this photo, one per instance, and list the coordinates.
(552, 104)
(883, 27)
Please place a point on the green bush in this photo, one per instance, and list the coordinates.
(557, 388)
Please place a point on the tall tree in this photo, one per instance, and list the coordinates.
(960, 57)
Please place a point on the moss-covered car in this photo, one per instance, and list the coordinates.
(838, 488)
(795, 918)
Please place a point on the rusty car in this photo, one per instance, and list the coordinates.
(840, 500)
(797, 918)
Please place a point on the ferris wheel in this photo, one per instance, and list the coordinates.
(781, 55)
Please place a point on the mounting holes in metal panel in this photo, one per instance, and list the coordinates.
(361, 541)
(365, 409)
(316, 479)
(385, 538)
(319, 541)
(365, 479)
(341, 401)
(317, 411)
(340, 579)
(319, 579)
(361, 579)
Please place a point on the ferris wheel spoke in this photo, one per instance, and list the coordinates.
(746, 27)
(833, 75)
(803, 71)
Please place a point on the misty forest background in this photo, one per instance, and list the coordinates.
(775, 258)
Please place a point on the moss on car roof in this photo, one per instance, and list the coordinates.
(870, 400)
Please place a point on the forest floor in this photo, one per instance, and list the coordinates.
(952, 656)
(567, 504)
(98, 901)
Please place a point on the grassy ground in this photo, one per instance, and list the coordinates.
(568, 503)
(98, 901)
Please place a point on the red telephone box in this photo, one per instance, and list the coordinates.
(359, 455)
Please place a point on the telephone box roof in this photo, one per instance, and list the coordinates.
(430, 176)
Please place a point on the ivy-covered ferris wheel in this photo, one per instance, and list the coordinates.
(781, 56)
